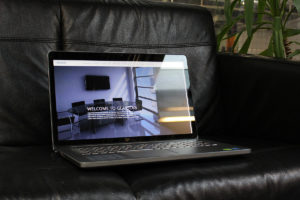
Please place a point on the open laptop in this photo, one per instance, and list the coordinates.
(116, 108)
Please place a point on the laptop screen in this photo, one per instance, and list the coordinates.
(121, 98)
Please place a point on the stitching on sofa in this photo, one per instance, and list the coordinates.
(146, 46)
(37, 40)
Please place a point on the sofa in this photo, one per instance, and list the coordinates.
(243, 100)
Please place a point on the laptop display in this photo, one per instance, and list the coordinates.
(122, 98)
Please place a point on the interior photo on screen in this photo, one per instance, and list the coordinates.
(97, 102)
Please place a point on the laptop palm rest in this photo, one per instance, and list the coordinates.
(155, 153)
(132, 155)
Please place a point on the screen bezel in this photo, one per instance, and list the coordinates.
(60, 55)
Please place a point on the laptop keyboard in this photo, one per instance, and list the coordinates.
(121, 148)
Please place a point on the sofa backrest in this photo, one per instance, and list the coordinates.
(260, 97)
(29, 30)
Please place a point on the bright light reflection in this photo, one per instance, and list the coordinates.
(171, 109)
(177, 119)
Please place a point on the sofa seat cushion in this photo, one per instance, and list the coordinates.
(38, 173)
(270, 172)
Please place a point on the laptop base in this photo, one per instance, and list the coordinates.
(148, 156)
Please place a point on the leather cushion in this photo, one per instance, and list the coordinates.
(260, 97)
(135, 23)
(28, 31)
(38, 173)
(270, 172)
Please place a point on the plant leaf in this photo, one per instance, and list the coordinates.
(237, 39)
(276, 7)
(249, 14)
(233, 5)
(279, 49)
(225, 30)
(287, 17)
(269, 51)
(221, 35)
(270, 6)
(282, 8)
(297, 5)
(246, 45)
(260, 9)
(227, 11)
(291, 32)
(296, 52)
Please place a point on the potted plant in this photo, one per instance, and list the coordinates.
(269, 14)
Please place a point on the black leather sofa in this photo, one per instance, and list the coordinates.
(243, 100)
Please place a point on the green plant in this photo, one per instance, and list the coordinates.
(269, 14)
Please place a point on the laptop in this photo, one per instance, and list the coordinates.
(116, 108)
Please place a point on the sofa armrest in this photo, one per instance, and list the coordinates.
(260, 97)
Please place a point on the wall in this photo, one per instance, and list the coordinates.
(70, 86)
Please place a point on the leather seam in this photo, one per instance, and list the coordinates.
(37, 40)
(61, 45)
(147, 46)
